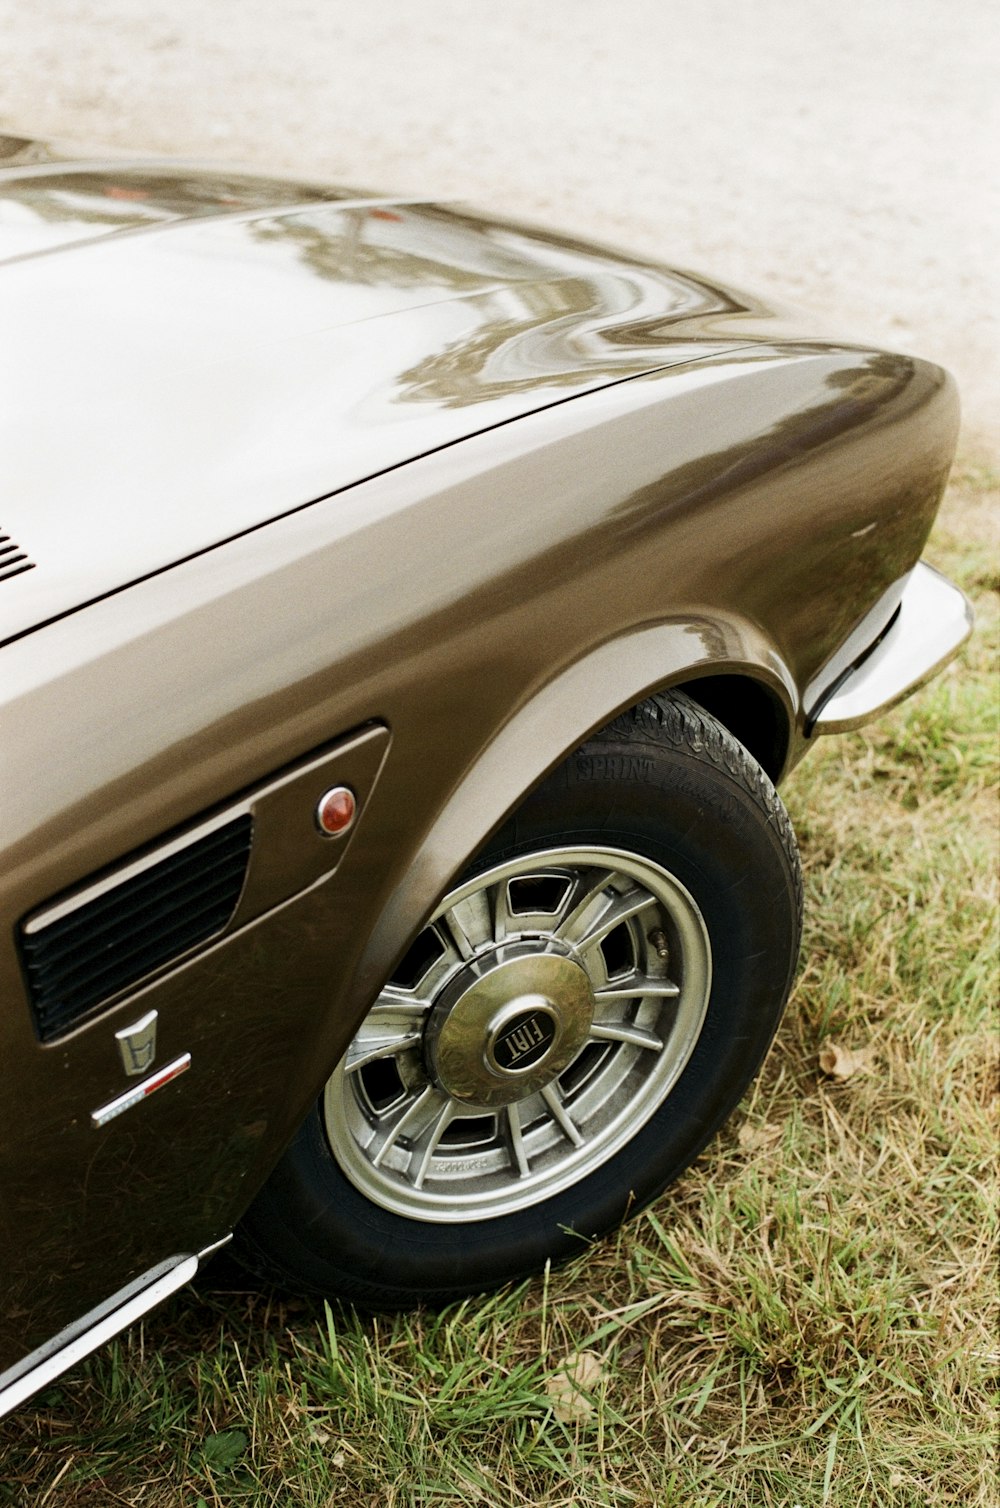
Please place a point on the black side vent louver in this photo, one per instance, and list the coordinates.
(79, 955)
(12, 558)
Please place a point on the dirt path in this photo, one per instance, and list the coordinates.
(844, 155)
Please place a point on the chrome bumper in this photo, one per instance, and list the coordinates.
(932, 623)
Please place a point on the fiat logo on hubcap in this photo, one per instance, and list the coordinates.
(524, 1040)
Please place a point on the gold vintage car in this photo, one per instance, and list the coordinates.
(406, 617)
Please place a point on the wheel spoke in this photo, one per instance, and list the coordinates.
(368, 1048)
(408, 1121)
(519, 1156)
(429, 1144)
(501, 911)
(638, 985)
(437, 970)
(624, 1031)
(621, 909)
(394, 1023)
(455, 926)
(395, 997)
(561, 1116)
(587, 892)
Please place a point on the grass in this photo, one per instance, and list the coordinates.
(809, 1317)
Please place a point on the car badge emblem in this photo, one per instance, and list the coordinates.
(137, 1044)
(526, 1040)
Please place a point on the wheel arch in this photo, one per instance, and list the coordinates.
(726, 665)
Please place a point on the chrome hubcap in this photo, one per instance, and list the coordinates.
(508, 1023)
(536, 1024)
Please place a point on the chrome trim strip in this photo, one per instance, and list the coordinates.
(51, 1364)
(933, 622)
(209, 1251)
(139, 1092)
(39, 920)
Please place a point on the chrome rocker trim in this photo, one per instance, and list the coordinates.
(63, 1351)
(933, 622)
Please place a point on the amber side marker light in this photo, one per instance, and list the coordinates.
(335, 811)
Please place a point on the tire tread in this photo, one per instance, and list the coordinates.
(673, 717)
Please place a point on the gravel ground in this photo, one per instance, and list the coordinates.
(845, 155)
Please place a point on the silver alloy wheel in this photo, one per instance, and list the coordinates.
(536, 1024)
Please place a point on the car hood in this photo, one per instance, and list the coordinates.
(189, 353)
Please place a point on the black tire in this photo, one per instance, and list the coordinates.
(666, 783)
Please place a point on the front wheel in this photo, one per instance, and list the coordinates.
(582, 1012)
